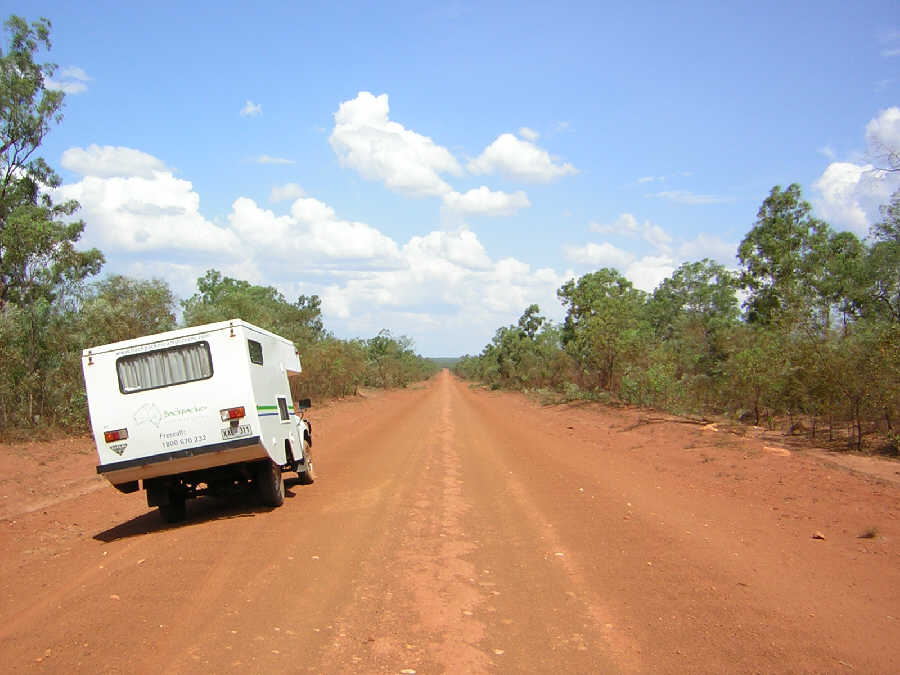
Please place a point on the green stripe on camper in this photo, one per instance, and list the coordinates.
(267, 407)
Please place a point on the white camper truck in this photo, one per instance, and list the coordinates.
(201, 410)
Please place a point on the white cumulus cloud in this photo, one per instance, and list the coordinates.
(626, 224)
(133, 203)
(648, 272)
(140, 214)
(883, 135)
(107, 161)
(709, 246)
(483, 201)
(446, 286)
(460, 248)
(367, 140)
(850, 194)
(311, 235)
(521, 159)
(451, 290)
(599, 255)
(644, 272)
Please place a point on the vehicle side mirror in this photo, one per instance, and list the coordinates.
(304, 404)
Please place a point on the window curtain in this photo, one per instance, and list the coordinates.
(165, 367)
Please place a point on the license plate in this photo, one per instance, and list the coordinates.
(235, 432)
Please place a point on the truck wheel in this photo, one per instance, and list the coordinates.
(175, 510)
(270, 483)
(308, 477)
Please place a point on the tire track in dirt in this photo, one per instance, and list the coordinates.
(436, 608)
(538, 582)
(413, 604)
(440, 573)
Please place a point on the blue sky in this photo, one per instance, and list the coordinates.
(435, 168)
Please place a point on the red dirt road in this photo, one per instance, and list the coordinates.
(459, 530)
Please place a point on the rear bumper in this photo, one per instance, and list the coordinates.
(184, 460)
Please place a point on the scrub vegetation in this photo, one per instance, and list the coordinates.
(815, 343)
(50, 310)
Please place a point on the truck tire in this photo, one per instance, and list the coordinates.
(175, 510)
(308, 477)
(270, 483)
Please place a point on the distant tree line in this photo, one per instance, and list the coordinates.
(50, 311)
(816, 341)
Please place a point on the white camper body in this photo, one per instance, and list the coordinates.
(202, 406)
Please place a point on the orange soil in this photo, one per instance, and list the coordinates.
(457, 530)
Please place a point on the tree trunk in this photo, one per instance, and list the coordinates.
(756, 407)
(856, 407)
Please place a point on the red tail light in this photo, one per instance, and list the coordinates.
(232, 413)
(117, 435)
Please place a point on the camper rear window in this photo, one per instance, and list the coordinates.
(164, 367)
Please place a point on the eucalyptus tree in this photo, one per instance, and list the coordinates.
(839, 278)
(220, 298)
(702, 292)
(603, 324)
(120, 308)
(797, 270)
(37, 236)
(522, 355)
(40, 267)
(693, 313)
(883, 265)
(775, 256)
(392, 362)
